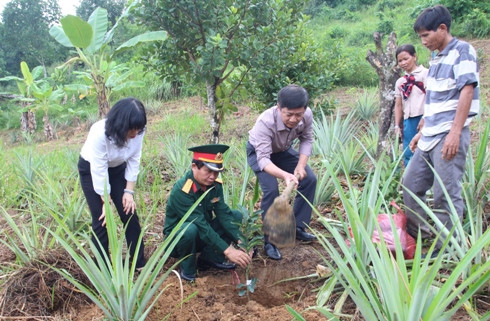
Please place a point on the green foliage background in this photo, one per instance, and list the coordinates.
(329, 50)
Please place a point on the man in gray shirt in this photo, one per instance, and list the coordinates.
(271, 156)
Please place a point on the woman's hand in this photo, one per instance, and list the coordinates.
(102, 216)
(398, 131)
(129, 205)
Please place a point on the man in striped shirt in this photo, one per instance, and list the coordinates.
(452, 100)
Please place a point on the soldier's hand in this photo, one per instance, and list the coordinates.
(238, 256)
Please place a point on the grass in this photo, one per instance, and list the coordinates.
(50, 200)
(40, 192)
(42, 202)
(367, 106)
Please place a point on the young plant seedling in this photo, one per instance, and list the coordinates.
(250, 239)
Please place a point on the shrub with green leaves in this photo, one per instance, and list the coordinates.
(476, 24)
(250, 239)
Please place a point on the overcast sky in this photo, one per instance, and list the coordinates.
(67, 6)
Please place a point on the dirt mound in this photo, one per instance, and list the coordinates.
(214, 295)
(38, 290)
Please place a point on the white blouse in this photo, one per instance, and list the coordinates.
(102, 153)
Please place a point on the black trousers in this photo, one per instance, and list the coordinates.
(118, 184)
(286, 161)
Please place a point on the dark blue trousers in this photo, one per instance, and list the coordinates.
(409, 131)
(286, 161)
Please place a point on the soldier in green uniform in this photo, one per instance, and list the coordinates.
(211, 228)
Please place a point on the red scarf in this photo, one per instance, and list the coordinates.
(408, 86)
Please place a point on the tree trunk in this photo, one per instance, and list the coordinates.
(213, 114)
(48, 128)
(101, 95)
(27, 120)
(387, 69)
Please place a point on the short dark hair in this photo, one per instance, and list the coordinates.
(292, 97)
(431, 18)
(199, 163)
(127, 114)
(405, 48)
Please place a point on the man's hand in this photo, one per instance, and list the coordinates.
(420, 124)
(288, 177)
(300, 172)
(414, 142)
(238, 256)
(451, 146)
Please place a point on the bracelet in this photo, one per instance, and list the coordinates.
(129, 191)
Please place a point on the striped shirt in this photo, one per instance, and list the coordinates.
(453, 68)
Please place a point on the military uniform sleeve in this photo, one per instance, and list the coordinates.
(178, 204)
(225, 217)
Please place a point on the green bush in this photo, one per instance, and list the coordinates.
(385, 26)
(9, 115)
(359, 38)
(357, 71)
(476, 24)
(337, 32)
(459, 8)
(348, 14)
(388, 4)
(313, 65)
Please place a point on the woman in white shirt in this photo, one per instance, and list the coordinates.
(409, 97)
(110, 158)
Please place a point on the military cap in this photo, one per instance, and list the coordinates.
(211, 155)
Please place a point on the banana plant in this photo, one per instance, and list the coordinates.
(91, 41)
(47, 97)
(35, 93)
(27, 85)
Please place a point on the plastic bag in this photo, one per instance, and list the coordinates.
(407, 242)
